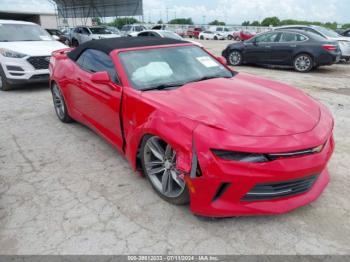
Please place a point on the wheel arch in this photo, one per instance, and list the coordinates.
(304, 53)
(176, 132)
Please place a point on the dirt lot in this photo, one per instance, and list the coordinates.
(63, 190)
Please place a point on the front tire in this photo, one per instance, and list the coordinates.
(229, 37)
(60, 105)
(303, 63)
(158, 161)
(201, 37)
(75, 43)
(4, 85)
(235, 58)
(216, 38)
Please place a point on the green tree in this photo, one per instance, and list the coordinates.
(119, 22)
(346, 26)
(181, 21)
(160, 22)
(274, 21)
(97, 20)
(255, 23)
(246, 23)
(216, 22)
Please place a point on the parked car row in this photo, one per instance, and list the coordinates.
(303, 50)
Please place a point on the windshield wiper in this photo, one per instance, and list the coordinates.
(163, 86)
(208, 77)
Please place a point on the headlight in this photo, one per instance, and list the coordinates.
(12, 54)
(241, 156)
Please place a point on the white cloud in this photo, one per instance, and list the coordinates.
(231, 11)
(236, 11)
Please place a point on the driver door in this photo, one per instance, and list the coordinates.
(98, 103)
(258, 50)
(85, 35)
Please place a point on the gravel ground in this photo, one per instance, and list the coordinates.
(64, 190)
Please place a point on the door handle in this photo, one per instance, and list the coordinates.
(293, 45)
(268, 46)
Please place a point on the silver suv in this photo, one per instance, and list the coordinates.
(82, 34)
(132, 30)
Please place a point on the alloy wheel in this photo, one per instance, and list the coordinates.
(160, 165)
(235, 58)
(58, 102)
(303, 63)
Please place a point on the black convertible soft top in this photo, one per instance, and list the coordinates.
(110, 44)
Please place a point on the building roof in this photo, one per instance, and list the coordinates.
(98, 8)
(110, 44)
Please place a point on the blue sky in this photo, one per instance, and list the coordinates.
(230, 11)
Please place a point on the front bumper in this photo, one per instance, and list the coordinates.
(19, 71)
(221, 188)
(345, 48)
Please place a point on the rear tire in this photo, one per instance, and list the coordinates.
(229, 37)
(158, 161)
(235, 58)
(75, 43)
(60, 105)
(216, 38)
(4, 85)
(303, 63)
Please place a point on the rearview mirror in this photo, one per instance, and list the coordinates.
(222, 60)
(101, 77)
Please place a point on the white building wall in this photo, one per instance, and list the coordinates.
(48, 21)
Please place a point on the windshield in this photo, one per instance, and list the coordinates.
(100, 31)
(18, 32)
(172, 66)
(327, 32)
(171, 35)
(126, 28)
(113, 30)
(54, 32)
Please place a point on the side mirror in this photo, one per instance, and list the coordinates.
(101, 77)
(222, 60)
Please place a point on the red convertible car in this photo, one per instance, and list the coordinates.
(228, 143)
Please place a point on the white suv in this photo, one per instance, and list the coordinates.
(82, 34)
(132, 30)
(25, 51)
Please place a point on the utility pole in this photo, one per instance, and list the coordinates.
(167, 15)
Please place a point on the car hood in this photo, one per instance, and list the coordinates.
(244, 105)
(33, 48)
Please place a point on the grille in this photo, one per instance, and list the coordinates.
(280, 189)
(39, 62)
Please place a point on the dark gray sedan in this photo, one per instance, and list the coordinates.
(292, 48)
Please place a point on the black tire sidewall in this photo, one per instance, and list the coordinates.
(5, 85)
(182, 199)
